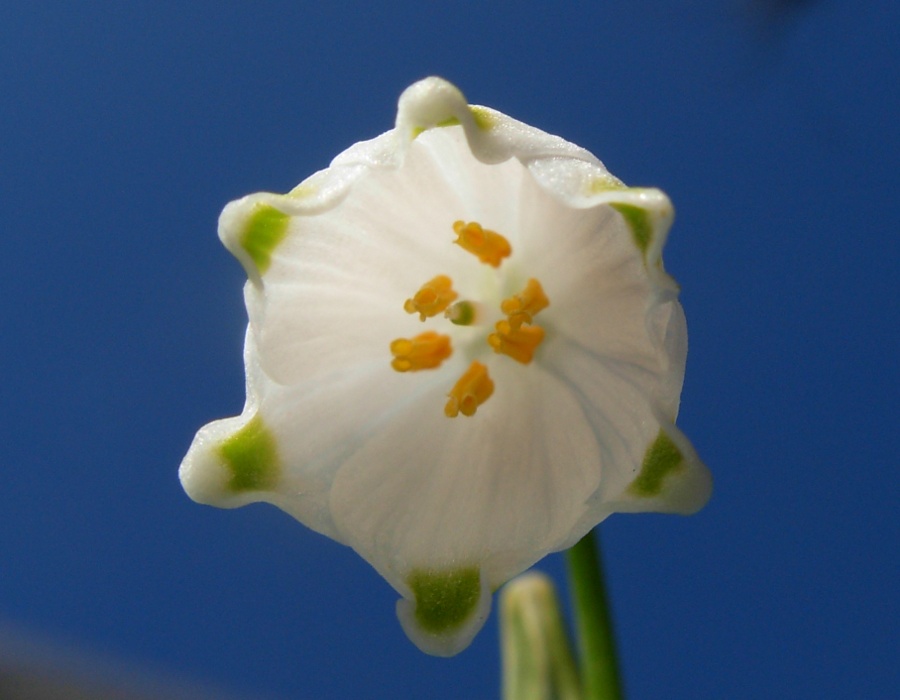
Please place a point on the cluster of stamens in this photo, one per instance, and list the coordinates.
(514, 336)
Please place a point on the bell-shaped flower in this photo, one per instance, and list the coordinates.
(463, 353)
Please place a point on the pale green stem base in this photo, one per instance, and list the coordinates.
(593, 623)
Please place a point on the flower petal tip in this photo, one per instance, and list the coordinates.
(648, 213)
(251, 229)
(230, 462)
(448, 609)
(672, 479)
(429, 103)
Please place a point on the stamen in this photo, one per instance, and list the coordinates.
(519, 343)
(463, 313)
(524, 306)
(434, 296)
(473, 389)
(426, 351)
(489, 246)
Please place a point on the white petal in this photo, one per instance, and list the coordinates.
(493, 137)
(495, 491)
(638, 443)
(253, 457)
(310, 428)
(671, 478)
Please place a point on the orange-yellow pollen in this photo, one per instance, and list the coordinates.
(519, 343)
(524, 306)
(426, 351)
(488, 246)
(473, 389)
(433, 298)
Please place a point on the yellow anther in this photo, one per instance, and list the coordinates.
(489, 246)
(524, 306)
(426, 351)
(519, 343)
(473, 389)
(434, 296)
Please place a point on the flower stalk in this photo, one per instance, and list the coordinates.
(598, 665)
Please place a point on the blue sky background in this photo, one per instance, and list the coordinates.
(124, 129)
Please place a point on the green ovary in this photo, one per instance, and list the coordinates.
(252, 457)
(445, 599)
(661, 459)
(265, 229)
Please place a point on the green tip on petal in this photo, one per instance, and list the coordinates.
(605, 183)
(446, 608)
(449, 121)
(265, 229)
(638, 221)
(661, 459)
(252, 457)
(302, 190)
(483, 118)
(445, 600)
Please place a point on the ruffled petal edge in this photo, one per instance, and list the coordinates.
(253, 226)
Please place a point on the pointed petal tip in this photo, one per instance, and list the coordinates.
(448, 609)
(230, 462)
(672, 479)
(429, 102)
(251, 228)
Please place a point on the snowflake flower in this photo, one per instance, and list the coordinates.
(463, 353)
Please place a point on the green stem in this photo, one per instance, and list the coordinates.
(599, 669)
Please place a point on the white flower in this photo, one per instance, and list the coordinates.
(463, 353)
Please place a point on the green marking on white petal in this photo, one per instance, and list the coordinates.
(638, 221)
(251, 455)
(302, 190)
(484, 120)
(266, 227)
(661, 459)
(449, 121)
(445, 600)
(605, 183)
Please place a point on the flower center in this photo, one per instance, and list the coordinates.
(514, 336)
